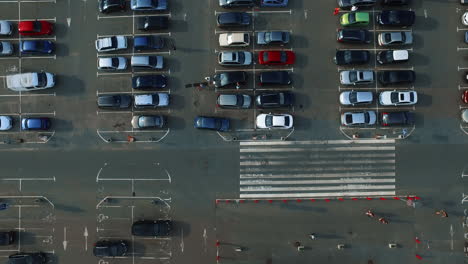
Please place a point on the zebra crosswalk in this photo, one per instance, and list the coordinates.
(329, 168)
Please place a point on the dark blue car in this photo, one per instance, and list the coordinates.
(35, 123)
(212, 123)
(274, 3)
(36, 47)
(141, 43)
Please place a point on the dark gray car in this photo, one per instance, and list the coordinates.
(236, 3)
(148, 5)
(272, 37)
(114, 101)
(232, 19)
(234, 101)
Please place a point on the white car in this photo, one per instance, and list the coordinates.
(354, 77)
(5, 27)
(112, 63)
(234, 39)
(111, 43)
(274, 121)
(235, 58)
(5, 123)
(358, 118)
(30, 81)
(402, 97)
(6, 48)
(152, 100)
(356, 98)
(465, 19)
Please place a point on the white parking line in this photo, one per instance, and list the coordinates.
(131, 16)
(137, 34)
(402, 108)
(18, 39)
(29, 57)
(131, 54)
(131, 92)
(113, 112)
(31, 19)
(374, 49)
(255, 70)
(27, 1)
(132, 73)
(26, 95)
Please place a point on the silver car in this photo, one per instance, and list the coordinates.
(5, 27)
(356, 98)
(235, 58)
(358, 118)
(148, 62)
(272, 37)
(398, 97)
(356, 77)
(395, 38)
(5, 48)
(234, 101)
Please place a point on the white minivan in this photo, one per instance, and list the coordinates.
(30, 81)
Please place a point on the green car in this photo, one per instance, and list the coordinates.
(355, 19)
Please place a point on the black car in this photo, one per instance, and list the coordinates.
(275, 78)
(395, 2)
(397, 118)
(236, 3)
(142, 43)
(153, 23)
(114, 101)
(396, 77)
(7, 238)
(233, 19)
(108, 248)
(27, 258)
(346, 57)
(211, 123)
(400, 18)
(145, 82)
(154, 228)
(353, 36)
(229, 78)
(109, 6)
(275, 99)
(347, 4)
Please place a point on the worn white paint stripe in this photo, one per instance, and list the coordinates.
(323, 188)
(309, 156)
(316, 142)
(322, 195)
(335, 168)
(381, 173)
(350, 148)
(320, 162)
(304, 182)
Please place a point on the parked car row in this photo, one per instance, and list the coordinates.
(352, 35)
(27, 28)
(144, 228)
(262, 121)
(136, 62)
(252, 3)
(110, 6)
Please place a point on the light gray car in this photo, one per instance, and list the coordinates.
(354, 77)
(359, 118)
(234, 101)
(356, 98)
(395, 38)
(149, 62)
(235, 58)
(6, 48)
(148, 5)
(5, 27)
(272, 37)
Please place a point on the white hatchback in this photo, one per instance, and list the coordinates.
(274, 121)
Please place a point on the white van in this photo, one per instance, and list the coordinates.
(30, 81)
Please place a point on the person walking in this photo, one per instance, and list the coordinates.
(369, 213)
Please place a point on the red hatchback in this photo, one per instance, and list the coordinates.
(276, 57)
(35, 28)
(465, 97)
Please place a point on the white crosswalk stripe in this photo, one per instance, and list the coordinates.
(324, 168)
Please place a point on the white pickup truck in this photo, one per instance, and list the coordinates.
(30, 81)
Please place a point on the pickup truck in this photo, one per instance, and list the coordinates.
(30, 81)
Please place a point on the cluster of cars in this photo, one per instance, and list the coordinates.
(149, 83)
(234, 54)
(8, 238)
(140, 228)
(29, 81)
(354, 32)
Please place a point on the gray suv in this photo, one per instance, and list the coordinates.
(234, 101)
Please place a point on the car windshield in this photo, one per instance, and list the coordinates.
(37, 26)
(240, 100)
(265, 56)
(403, 37)
(268, 37)
(353, 97)
(241, 57)
(269, 121)
(366, 117)
(353, 76)
(113, 42)
(347, 56)
(352, 18)
(41, 79)
(411, 97)
(283, 56)
(286, 121)
(389, 56)
(217, 123)
(388, 38)
(394, 97)
(115, 62)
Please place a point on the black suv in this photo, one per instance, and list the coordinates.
(27, 258)
(397, 118)
(396, 77)
(114, 101)
(395, 2)
(274, 100)
(275, 78)
(236, 3)
(353, 35)
(142, 43)
(233, 19)
(108, 248)
(146, 82)
(229, 78)
(346, 57)
(399, 18)
(154, 228)
(153, 23)
(109, 6)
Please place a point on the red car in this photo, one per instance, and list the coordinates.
(465, 97)
(35, 28)
(276, 57)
